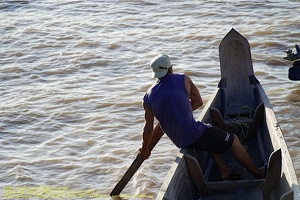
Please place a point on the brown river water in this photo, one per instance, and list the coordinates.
(73, 73)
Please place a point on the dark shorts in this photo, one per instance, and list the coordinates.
(213, 140)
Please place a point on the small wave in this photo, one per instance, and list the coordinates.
(11, 5)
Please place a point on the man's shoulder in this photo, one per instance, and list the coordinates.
(178, 75)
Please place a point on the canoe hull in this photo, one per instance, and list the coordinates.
(268, 137)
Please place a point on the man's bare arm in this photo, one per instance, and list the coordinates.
(195, 97)
(147, 132)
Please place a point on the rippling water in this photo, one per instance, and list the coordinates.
(73, 74)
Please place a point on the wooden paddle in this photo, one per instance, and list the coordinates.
(157, 134)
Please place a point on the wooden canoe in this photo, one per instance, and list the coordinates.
(238, 105)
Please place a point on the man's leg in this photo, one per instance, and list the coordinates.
(243, 157)
(225, 171)
(217, 140)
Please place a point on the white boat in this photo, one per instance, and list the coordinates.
(239, 103)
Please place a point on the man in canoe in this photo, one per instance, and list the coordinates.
(171, 100)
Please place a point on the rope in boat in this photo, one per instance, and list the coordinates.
(240, 120)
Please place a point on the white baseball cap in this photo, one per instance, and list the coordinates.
(160, 65)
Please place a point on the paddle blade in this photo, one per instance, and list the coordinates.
(127, 176)
(158, 133)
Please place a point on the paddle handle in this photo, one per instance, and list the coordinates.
(136, 163)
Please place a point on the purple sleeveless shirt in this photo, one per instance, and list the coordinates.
(169, 102)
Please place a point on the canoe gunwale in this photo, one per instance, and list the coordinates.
(278, 142)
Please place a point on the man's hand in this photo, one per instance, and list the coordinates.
(145, 153)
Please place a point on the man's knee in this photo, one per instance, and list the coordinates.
(236, 141)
